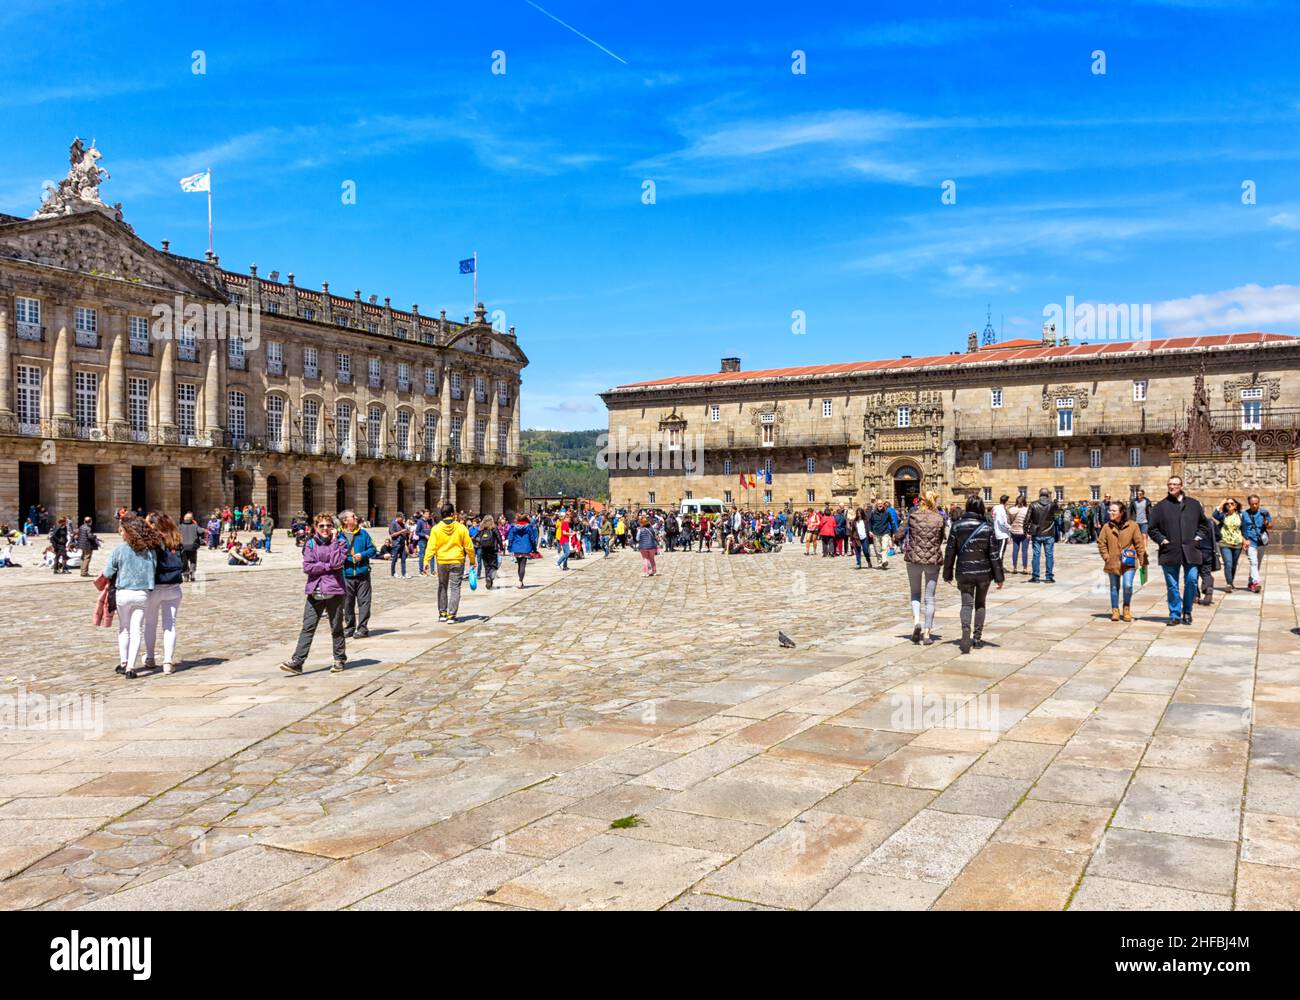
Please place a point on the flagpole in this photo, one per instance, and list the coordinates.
(209, 210)
(475, 280)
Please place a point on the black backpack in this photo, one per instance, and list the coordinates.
(169, 568)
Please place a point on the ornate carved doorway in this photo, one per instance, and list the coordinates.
(907, 486)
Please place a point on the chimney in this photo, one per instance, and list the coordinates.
(731, 364)
(972, 342)
(167, 246)
(1049, 334)
(275, 275)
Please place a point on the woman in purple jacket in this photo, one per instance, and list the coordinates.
(323, 557)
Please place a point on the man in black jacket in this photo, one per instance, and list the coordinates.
(1040, 526)
(972, 557)
(1177, 523)
(191, 540)
(87, 542)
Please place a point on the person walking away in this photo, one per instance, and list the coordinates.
(647, 545)
(1017, 517)
(1230, 539)
(521, 542)
(323, 559)
(164, 602)
(826, 529)
(562, 534)
(398, 536)
(191, 542)
(1040, 526)
(1001, 526)
(59, 540)
(1176, 525)
(268, 528)
(882, 528)
(971, 558)
(1123, 549)
(1255, 525)
(923, 556)
(87, 542)
(489, 555)
(357, 580)
(449, 548)
(1209, 560)
(1139, 511)
(132, 569)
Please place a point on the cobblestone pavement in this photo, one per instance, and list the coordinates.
(1071, 762)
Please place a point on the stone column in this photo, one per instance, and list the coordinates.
(7, 418)
(169, 489)
(212, 393)
(513, 442)
(490, 445)
(471, 416)
(61, 376)
(167, 394)
(117, 424)
(444, 418)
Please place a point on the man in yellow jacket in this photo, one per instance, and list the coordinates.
(449, 543)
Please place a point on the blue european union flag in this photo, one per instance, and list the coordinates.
(467, 266)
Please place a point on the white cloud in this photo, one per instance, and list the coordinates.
(573, 406)
(1274, 309)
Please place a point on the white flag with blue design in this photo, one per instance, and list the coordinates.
(197, 182)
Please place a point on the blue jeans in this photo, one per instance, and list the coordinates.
(1115, 581)
(563, 560)
(1230, 557)
(1180, 604)
(1050, 545)
(266, 543)
(1019, 551)
(392, 561)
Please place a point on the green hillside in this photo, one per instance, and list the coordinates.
(564, 463)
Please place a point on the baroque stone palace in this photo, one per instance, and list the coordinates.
(1081, 420)
(319, 403)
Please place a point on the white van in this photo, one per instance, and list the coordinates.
(706, 505)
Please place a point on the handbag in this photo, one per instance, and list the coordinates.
(473, 578)
(1128, 556)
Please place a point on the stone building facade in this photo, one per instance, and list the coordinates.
(1081, 420)
(260, 392)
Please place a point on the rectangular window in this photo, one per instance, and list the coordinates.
(1022, 460)
(1058, 458)
(343, 367)
(308, 312)
(1060, 493)
(1140, 390)
(235, 354)
(87, 405)
(1094, 458)
(503, 393)
(27, 315)
(311, 425)
(187, 349)
(453, 441)
(1135, 457)
(187, 394)
(274, 358)
(138, 334)
(904, 416)
(480, 389)
(986, 461)
(343, 427)
(431, 381)
(988, 493)
(1252, 414)
(726, 466)
(503, 441)
(1064, 423)
(87, 327)
(275, 421)
(310, 363)
(374, 431)
(430, 433)
(1094, 493)
(404, 378)
(29, 399)
(272, 307)
(812, 496)
(767, 496)
(726, 496)
(236, 416)
(455, 386)
(404, 434)
(996, 398)
(812, 466)
(400, 332)
(715, 413)
(480, 436)
(826, 407)
(651, 497)
(137, 397)
(767, 467)
(374, 369)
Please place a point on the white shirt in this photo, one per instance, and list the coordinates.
(1001, 525)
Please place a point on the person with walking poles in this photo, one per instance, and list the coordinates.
(87, 542)
(521, 541)
(1123, 550)
(1255, 524)
(923, 556)
(972, 559)
(450, 547)
(357, 581)
(1040, 526)
(323, 557)
(1176, 525)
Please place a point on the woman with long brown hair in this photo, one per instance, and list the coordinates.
(132, 568)
(165, 598)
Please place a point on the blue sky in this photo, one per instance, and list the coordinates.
(774, 191)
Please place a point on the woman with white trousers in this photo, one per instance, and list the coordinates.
(165, 598)
(132, 568)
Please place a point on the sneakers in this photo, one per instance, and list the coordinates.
(362, 633)
(928, 640)
(289, 667)
(443, 616)
(120, 668)
(977, 642)
(1187, 618)
(1174, 621)
(337, 667)
(916, 635)
(168, 668)
(1114, 614)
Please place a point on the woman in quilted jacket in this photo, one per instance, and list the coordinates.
(972, 558)
(923, 556)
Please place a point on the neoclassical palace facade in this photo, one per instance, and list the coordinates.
(1081, 420)
(294, 398)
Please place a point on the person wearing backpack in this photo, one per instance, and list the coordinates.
(164, 600)
(449, 548)
(1123, 550)
(972, 559)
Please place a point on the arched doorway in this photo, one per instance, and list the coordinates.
(340, 494)
(465, 497)
(403, 495)
(510, 499)
(486, 499)
(243, 488)
(430, 494)
(273, 498)
(308, 497)
(375, 500)
(907, 486)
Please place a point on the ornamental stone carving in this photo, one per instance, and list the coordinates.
(1230, 476)
(1232, 387)
(79, 191)
(1052, 393)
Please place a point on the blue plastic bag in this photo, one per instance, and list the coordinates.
(473, 578)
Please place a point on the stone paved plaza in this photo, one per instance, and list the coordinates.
(1082, 764)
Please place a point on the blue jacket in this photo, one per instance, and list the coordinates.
(1253, 524)
(363, 545)
(131, 570)
(521, 539)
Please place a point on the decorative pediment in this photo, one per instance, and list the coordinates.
(1232, 387)
(673, 421)
(767, 414)
(484, 341)
(92, 244)
(1078, 393)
